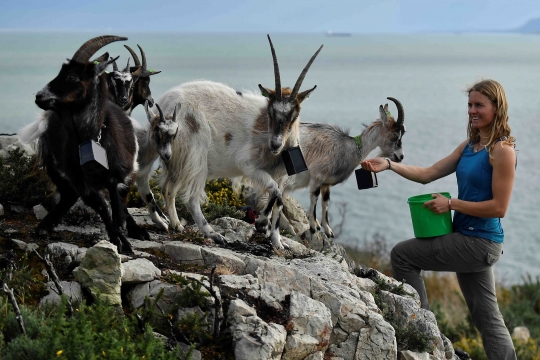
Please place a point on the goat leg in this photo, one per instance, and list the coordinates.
(134, 230)
(325, 193)
(274, 231)
(194, 207)
(96, 201)
(68, 197)
(157, 216)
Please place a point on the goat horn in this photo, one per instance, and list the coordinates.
(401, 112)
(114, 66)
(126, 70)
(143, 57)
(135, 57)
(90, 47)
(276, 70)
(160, 112)
(303, 75)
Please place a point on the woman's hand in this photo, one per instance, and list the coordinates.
(439, 204)
(374, 165)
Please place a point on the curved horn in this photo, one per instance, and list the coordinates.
(135, 57)
(91, 46)
(401, 112)
(114, 66)
(303, 75)
(160, 113)
(276, 70)
(143, 57)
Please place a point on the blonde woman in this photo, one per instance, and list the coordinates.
(485, 166)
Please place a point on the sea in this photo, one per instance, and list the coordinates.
(428, 73)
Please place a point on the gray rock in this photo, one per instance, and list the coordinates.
(252, 337)
(521, 333)
(233, 229)
(310, 323)
(2, 212)
(223, 257)
(40, 212)
(71, 289)
(101, 272)
(138, 271)
(295, 214)
(184, 252)
(410, 355)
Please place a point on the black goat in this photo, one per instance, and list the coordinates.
(142, 92)
(80, 112)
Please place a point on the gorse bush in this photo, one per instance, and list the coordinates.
(93, 332)
(20, 182)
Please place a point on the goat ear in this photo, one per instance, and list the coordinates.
(100, 68)
(383, 113)
(305, 94)
(149, 114)
(266, 92)
(174, 113)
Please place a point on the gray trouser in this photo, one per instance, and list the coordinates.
(471, 258)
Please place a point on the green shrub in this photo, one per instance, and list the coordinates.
(20, 183)
(93, 332)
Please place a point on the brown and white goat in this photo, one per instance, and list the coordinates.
(78, 111)
(224, 133)
(331, 156)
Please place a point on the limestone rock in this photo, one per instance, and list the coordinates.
(252, 337)
(310, 323)
(139, 271)
(71, 289)
(40, 212)
(295, 214)
(184, 252)
(101, 272)
(521, 333)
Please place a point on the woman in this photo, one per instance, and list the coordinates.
(485, 168)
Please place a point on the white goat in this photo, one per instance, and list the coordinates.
(154, 141)
(224, 134)
(331, 156)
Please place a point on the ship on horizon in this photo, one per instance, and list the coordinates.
(333, 33)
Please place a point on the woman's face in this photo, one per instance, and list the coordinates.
(481, 111)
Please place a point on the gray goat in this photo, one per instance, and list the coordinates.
(332, 154)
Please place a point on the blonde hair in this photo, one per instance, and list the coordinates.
(500, 130)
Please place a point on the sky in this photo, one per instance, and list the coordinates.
(258, 16)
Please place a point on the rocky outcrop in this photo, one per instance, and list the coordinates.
(309, 302)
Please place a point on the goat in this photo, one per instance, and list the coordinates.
(142, 86)
(78, 110)
(154, 141)
(224, 133)
(331, 156)
(121, 86)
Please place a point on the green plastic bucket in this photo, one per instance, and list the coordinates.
(425, 222)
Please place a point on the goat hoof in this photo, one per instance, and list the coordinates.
(218, 238)
(139, 233)
(123, 245)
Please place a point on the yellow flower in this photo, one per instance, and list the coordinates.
(103, 353)
(59, 352)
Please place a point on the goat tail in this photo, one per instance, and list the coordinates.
(31, 132)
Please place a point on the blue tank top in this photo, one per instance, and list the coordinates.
(474, 174)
